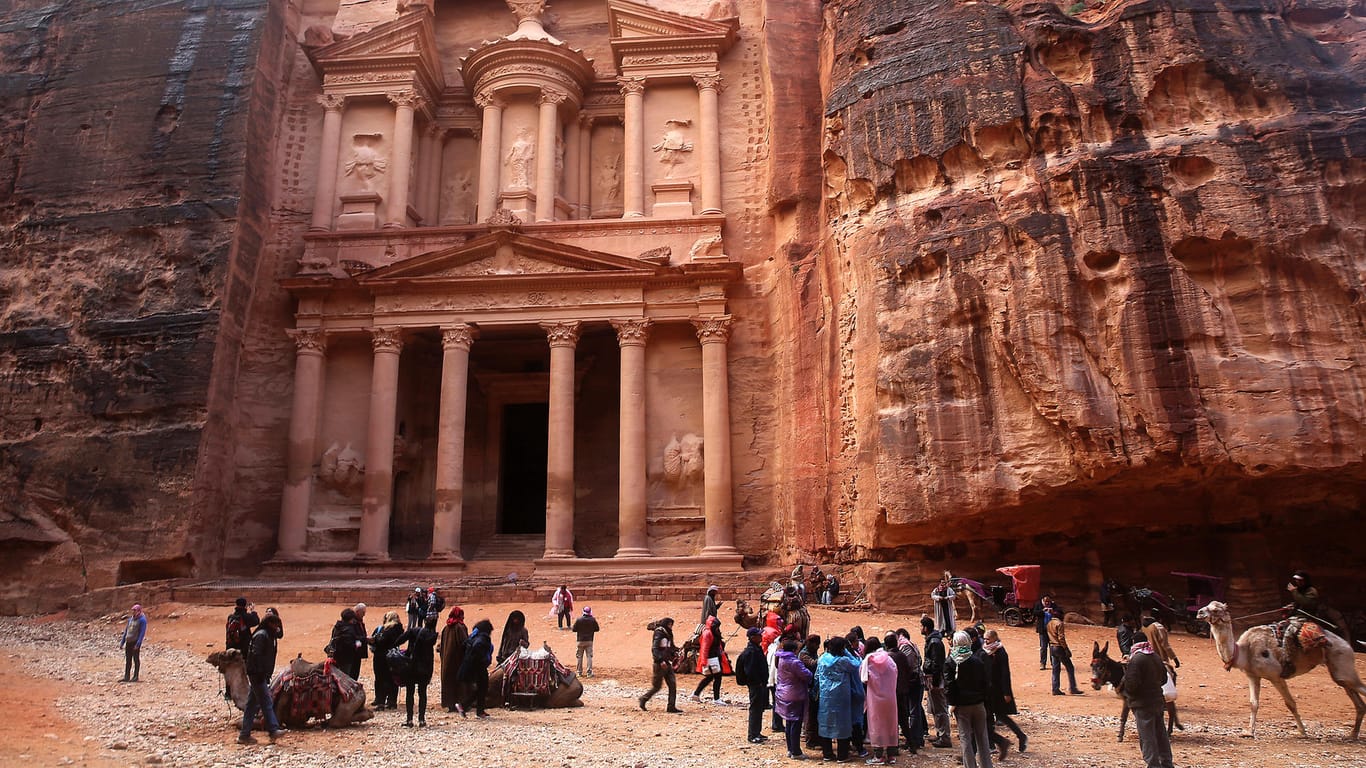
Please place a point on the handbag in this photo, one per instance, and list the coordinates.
(1169, 688)
(400, 666)
(713, 666)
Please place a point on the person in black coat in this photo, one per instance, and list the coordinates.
(1143, 679)
(662, 653)
(386, 639)
(421, 643)
(934, 657)
(751, 670)
(966, 685)
(474, 668)
(260, 668)
(347, 640)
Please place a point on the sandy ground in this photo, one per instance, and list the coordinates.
(73, 710)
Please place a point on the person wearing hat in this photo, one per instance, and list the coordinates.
(241, 623)
(417, 607)
(584, 628)
(662, 652)
(260, 668)
(710, 604)
(751, 671)
(131, 642)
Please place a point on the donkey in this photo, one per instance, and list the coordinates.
(1106, 670)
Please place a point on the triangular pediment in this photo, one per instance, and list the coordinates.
(508, 255)
(633, 20)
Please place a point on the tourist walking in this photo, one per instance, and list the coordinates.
(585, 627)
(435, 604)
(241, 623)
(712, 662)
(945, 613)
(934, 683)
(662, 652)
(260, 668)
(131, 643)
(420, 642)
(1043, 613)
(515, 636)
(417, 607)
(1061, 655)
(386, 639)
(879, 676)
(562, 605)
(1000, 693)
(474, 668)
(1142, 686)
(346, 643)
(451, 646)
(790, 695)
(751, 671)
(966, 688)
(836, 677)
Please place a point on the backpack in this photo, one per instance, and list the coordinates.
(237, 634)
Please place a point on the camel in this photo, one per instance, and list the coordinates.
(566, 690)
(744, 614)
(344, 711)
(1259, 656)
(1106, 670)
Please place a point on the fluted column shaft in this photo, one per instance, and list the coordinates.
(490, 150)
(559, 486)
(547, 131)
(379, 445)
(325, 194)
(633, 537)
(709, 140)
(310, 350)
(633, 174)
(714, 333)
(585, 167)
(401, 168)
(424, 172)
(450, 442)
(571, 167)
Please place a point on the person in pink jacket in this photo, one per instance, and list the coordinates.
(879, 674)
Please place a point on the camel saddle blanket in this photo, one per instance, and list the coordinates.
(535, 672)
(312, 693)
(1312, 636)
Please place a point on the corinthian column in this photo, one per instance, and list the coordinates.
(633, 539)
(325, 193)
(404, 103)
(708, 86)
(559, 484)
(310, 348)
(490, 150)
(546, 132)
(379, 445)
(633, 175)
(585, 129)
(450, 442)
(714, 332)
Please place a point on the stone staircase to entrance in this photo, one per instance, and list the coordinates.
(511, 547)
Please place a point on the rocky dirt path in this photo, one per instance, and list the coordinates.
(68, 707)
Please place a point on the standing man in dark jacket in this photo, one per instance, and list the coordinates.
(908, 683)
(421, 643)
(347, 641)
(1043, 613)
(751, 671)
(242, 622)
(474, 668)
(584, 628)
(1143, 679)
(662, 653)
(934, 682)
(260, 668)
(1001, 693)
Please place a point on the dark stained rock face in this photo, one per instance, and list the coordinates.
(1096, 274)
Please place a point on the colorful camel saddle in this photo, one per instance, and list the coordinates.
(1307, 634)
(312, 692)
(537, 672)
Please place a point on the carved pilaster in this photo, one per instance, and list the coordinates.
(308, 340)
(708, 81)
(386, 340)
(332, 102)
(564, 333)
(712, 330)
(633, 331)
(457, 336)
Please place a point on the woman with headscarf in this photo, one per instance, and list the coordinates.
(790, 695)
(966, 687)
(474, 668)
(879, 676)
(515, 636)
(386, 639)
(347, 640)
(133, 633)
(421, 643)
(836, 677)
(452, 650)
(712, 662)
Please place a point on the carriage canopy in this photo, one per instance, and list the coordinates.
(1026, 579)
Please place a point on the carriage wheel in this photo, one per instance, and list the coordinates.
(1013, 617)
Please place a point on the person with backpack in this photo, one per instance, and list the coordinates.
(934, 683)
(260, 668)
(751, 671)
(662, 652)
(131, 642)
(241, 622)
(474, 668)
(435, 604)
(386, 639)
(417, 607)
(421, 643)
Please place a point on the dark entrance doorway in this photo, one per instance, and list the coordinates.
(522, 468)
(410, 522)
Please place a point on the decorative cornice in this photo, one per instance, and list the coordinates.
(459, 336)
(332, 102)
(713, 330)
(632, 332)
(563, 333)
(308, 341)
(386, 340)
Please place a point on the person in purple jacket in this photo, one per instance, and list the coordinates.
(131, 643)
(790, 694)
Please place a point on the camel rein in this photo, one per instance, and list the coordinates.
(1255, 615)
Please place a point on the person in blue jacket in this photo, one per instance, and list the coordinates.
(836, 679)
(474, 669)
(131, 643)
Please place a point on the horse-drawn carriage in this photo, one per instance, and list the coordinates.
(1201, 590)
(1016, 606)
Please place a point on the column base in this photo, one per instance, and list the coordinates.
(634, 552)
(719, 551)
(558, 554)
(710, 211)
(445, 557)
(633, 215)
(371, 557)
(283, 555)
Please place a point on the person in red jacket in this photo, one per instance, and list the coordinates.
(712, 662)
(773, 629)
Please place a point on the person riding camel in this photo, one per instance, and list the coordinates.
(1305, 606)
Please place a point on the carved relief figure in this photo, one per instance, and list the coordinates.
(521, 159)
(610, 181)
(366, 162)
(672, 146)
(721, 9)
(683, 459)
(341, 470)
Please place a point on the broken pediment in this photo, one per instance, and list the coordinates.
(406, 43)
(507, 253)
(632, 20)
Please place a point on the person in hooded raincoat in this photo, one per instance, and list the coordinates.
(836, 678)
(791, 694)
(879, 676)
(452, 650)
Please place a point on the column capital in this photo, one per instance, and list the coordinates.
(713, 330)
(332, 102)
(404, 98)
(459, 336)
(551, 96)
(308, 341)
(437, 132)
(564, 333)
(707, 81)
(586, 120)
(476, 133)
(630, 85)
(386, 340)
(632, 331)
(485, 99)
